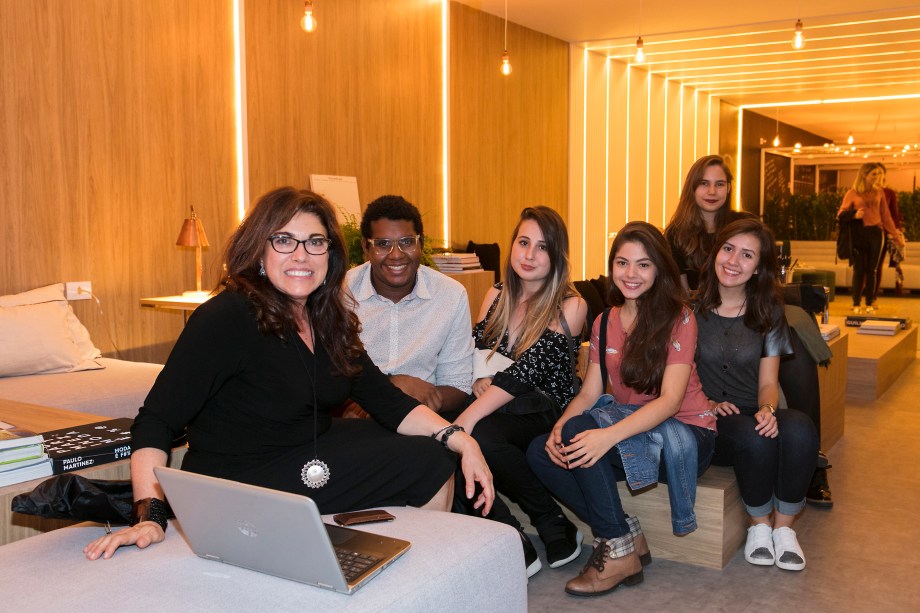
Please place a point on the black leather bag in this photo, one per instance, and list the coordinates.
(845, 234)
(71, 496)
(810, 297)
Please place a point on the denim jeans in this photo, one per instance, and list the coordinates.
(591, 492)
(671, 443)
(771, 472)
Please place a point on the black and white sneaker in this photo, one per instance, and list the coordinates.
(531, 559)
(562, 551)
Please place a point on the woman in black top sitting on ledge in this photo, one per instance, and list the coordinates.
(256, 372)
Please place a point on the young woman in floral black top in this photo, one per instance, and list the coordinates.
(525, 319)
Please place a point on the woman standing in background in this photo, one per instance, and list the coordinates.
(871, 222)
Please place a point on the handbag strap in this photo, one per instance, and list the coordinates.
(573, 360)
(602, 350)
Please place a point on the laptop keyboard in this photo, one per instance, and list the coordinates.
(354, 563)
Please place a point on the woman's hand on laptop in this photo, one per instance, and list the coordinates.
(475, 470)
(143, 534)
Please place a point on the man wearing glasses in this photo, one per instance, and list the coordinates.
(415, 321)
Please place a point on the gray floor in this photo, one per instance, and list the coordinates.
(863, 555)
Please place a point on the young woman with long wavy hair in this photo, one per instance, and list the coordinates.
(742, 336)
(703, 209)
(654, 424)
(529, 325)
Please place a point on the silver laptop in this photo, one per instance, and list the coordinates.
(273, 532)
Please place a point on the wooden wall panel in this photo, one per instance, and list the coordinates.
(360, 96)
(114, 118)
(671, 167)
(509, 137)
(657, 103)
(637, 159)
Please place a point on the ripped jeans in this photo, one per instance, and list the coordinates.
(685, 451)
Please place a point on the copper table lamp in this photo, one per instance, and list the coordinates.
(192, 235)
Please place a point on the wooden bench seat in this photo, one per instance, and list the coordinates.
(720, 515)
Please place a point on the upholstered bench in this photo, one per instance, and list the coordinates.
(456, 563)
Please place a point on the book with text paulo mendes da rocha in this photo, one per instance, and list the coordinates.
(89, 445)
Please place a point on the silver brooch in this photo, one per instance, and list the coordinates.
(315, 474)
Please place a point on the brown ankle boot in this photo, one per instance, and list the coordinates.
(613, 563)
(642, 550)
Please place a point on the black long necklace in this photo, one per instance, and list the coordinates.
(726, 362)
(315, 473)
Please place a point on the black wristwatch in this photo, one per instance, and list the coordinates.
(150, 509)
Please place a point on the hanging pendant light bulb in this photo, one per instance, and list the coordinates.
(776, 138)
(506, 58)
(506, 64)
(640, 52)
(308, 22)
(798, 40)
(850, 139)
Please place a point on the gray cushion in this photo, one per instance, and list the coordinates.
(456, 563)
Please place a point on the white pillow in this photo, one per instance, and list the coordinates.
(41, 334)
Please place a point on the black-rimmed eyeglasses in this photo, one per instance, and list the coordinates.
(315, 245)
(384, 246)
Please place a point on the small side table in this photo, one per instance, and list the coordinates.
(183, 302)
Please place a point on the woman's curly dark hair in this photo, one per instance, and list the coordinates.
(333, 322)
(645, 353)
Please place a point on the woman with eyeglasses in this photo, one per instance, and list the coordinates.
(527, 339)
(258, 368)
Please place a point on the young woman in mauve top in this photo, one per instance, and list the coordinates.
(528, 319)
(656, 423)
(704, 207)
(742, 335)
(872, 221)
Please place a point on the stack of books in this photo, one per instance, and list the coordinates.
(878, 327)
(456, 262)
(829, 331)
(857, 321)
(89, 445)
(22, 455)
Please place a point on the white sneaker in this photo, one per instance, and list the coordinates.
(789, 555)
(759, 546)
(857, 310)
(870, 310)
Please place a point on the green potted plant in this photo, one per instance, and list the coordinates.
(351, 229)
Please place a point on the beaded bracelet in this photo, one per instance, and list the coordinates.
(448, 431)
(150, 509)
